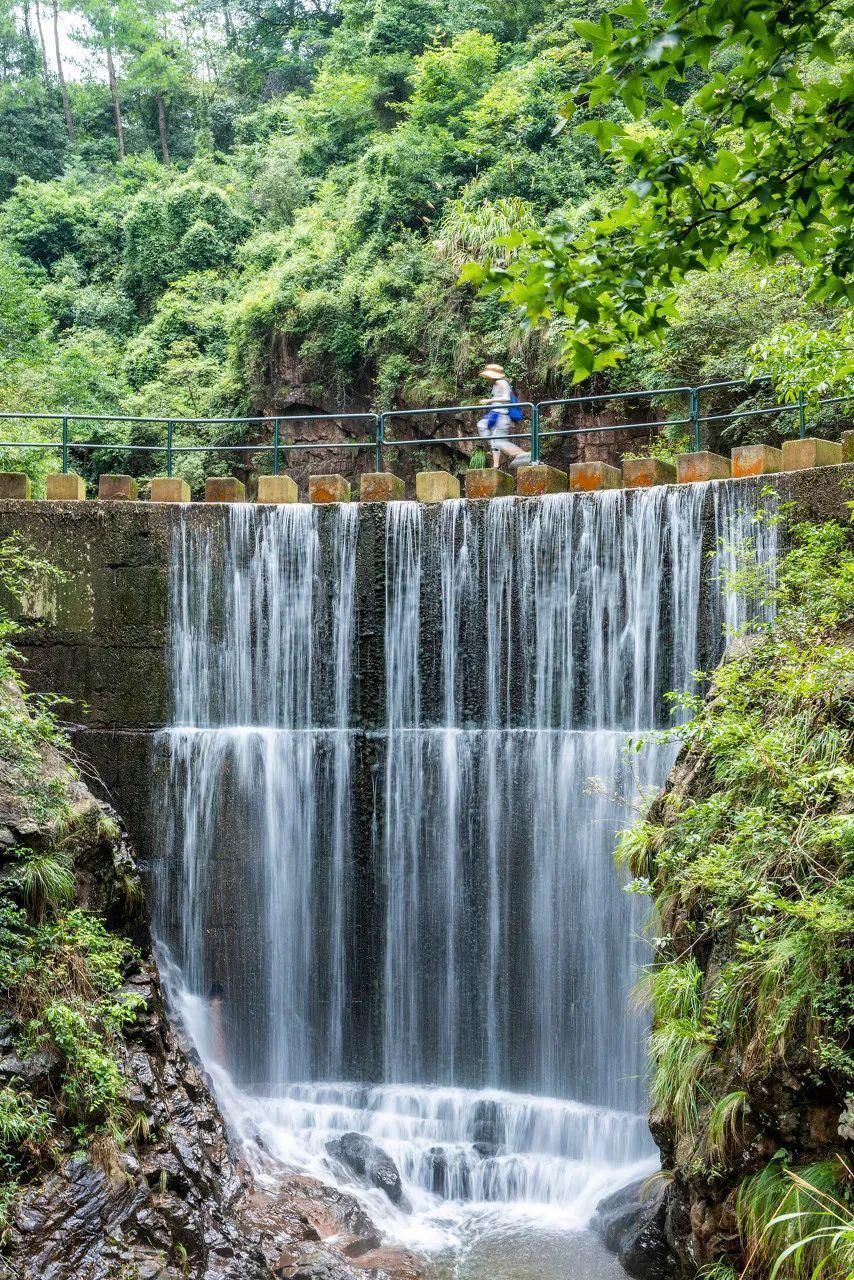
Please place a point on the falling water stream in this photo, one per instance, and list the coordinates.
(397, 908)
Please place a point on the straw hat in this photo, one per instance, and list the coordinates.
(493, 371)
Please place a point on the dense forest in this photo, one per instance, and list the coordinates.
(237, 209)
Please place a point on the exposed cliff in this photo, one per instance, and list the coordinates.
(748, 855)
(114, 1160)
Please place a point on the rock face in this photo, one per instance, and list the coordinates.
(168, 1200)
(369, 1161)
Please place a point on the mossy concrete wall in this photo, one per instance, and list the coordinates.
(98, 636)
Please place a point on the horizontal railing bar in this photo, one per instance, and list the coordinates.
(255, 448)
(749, 413)
(32, 444)
(620, 426)
(734, 382)
(460, 408)
(505, 435)
(614, 395)
(110, 417)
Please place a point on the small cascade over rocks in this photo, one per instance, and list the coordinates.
(391, 894)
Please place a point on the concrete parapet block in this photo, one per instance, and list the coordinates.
(224, 489)
(14, 484)
(436, 486)
(118, 489)
(277, 489)
(169, 489)
(800, 455)
(381, 486)
(65, 486)
(848, 446)
(589, 477)
(488, 482)
(328, 489)
(756, 460)
(644, 473)
(693, 468)
(538, 479)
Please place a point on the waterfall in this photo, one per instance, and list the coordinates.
(393, 891)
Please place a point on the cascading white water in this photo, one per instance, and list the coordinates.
(426, 903)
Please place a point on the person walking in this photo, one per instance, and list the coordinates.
(501, 420)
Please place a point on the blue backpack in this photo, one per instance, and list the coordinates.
(516, 414)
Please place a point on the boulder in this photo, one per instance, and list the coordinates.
(487, 1122)
(632, 1224)
(369, 1161)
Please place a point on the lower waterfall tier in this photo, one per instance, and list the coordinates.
(437, 905)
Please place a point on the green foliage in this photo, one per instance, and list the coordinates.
(757, 863)
(189, 227)
(302, 186)
(801, 360)
(800, 1222)
(745, 116)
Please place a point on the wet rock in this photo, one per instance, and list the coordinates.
(632, 1224)
(314, 1262)
(369, 1161)
(329, 1212)
(33, 1071)
(488, 1123)
(616, 1213)
(438, 1171)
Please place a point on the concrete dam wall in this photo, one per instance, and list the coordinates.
(99, 637)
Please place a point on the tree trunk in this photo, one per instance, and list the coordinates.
(41, 36)
(161, 124)
(114, 93)
(63, 87)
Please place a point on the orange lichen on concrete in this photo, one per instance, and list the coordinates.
(538, 479)
(693, 468)
(643, 473)
(328, 489)
(224, 489)
(380, 486)
(488, 482)
(588, 477)
(756, 460)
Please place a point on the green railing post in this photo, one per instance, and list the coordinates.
(802, 414)
(535, 433)
(65, 446)
(380, 435)
(694, 415)
(276, 427)
(170, 426)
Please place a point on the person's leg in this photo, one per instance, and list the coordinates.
(518, 457)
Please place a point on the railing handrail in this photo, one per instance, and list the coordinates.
(380, 440)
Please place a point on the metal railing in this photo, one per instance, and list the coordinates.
(378, 425)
